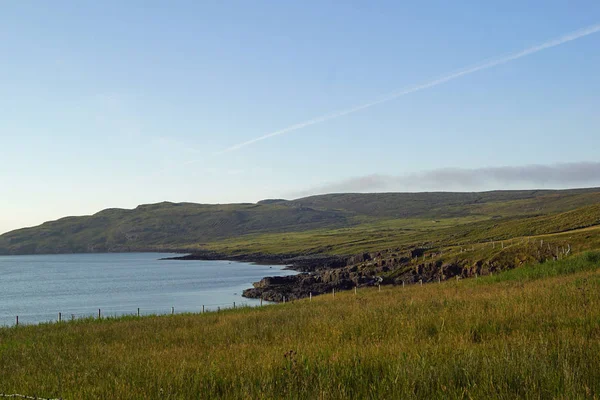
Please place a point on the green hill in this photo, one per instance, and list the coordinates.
(172, 225)
(449, 204)
(189, 226)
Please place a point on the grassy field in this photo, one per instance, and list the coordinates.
(406, 233)
(533, 332)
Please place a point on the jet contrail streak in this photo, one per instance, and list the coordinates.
(503, 60)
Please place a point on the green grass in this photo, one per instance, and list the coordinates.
(405, 233)
(588, 261)
(533, 332)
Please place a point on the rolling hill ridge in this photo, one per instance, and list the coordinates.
(187, 226)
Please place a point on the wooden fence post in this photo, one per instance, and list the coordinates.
(203, 306)
(99, 315)
(234, 304)
(379, 286)
(333, 291)
(17, 320)
(355, 290)
(138, 311)
(172, 310)
(310, 296)
(59, 317)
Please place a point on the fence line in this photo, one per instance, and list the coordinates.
(112, 313)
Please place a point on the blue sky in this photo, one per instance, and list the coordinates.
(114, 104)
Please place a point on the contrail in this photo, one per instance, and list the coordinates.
(489, 64)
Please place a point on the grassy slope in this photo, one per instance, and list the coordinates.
(533, 332)
(448, 205)
(164, 224)
(339, 223)
(401, 233)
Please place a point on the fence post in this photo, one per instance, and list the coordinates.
(203, 306)
(355, 290)
(310, 296)
(439, 280)
(421, 282)
(333, 291)
(402, 283)
(59, 317)
(99, 316)
(261, 301)
(138, 311)
(379, 286)
(17, 320)
(234, 304)
(172, 310)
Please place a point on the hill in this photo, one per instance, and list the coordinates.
(190, 226)
(170, 225)
(450, 204)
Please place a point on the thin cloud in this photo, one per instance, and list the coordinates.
(455, 75)
(556, 175)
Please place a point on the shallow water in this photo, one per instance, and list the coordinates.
(37, 288)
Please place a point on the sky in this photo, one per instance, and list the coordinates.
(121, 103)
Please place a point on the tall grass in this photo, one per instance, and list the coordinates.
(525, 337)
(588, 261)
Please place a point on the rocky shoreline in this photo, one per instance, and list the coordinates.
(319, 274)
(296, 262)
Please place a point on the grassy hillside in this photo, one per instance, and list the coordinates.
(406, 233)
(448, 205)
(528, 333)
(172, 225)
(337, 223)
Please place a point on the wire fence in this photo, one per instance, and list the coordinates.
(102, 313)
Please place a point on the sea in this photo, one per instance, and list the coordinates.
(36, 288)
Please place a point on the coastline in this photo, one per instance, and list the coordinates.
(310, 280)
(295, 262)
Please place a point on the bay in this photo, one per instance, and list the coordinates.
(38, 287)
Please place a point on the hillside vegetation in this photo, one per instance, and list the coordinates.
(530, 333)
(330, 224)
(403, 234)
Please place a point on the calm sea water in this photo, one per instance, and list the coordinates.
(37, 288)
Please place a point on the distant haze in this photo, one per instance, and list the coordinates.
(557, 176)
